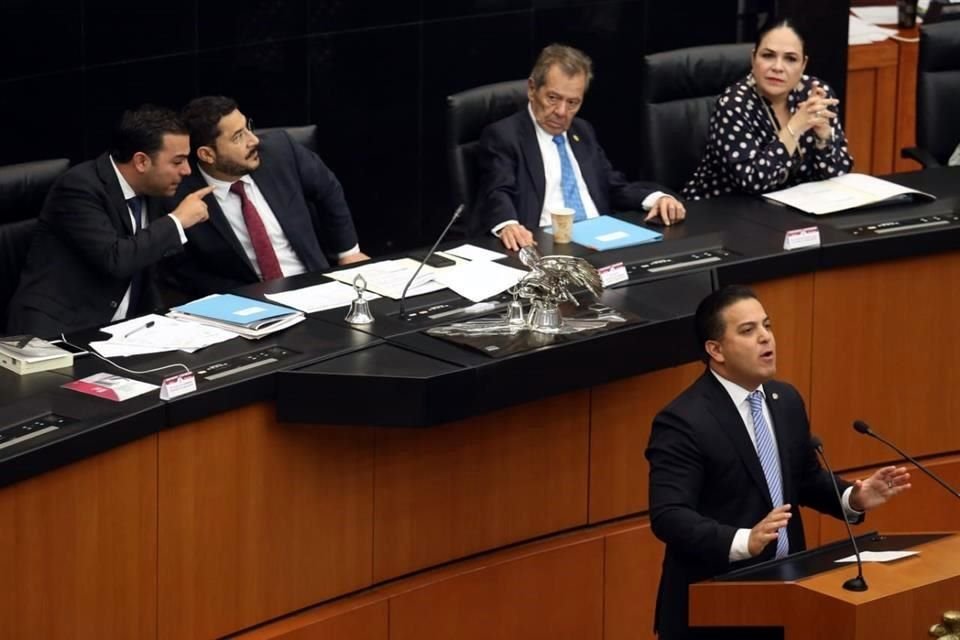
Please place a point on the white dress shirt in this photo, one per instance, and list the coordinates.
(229, 203)
(740, 549)
(128, 193)
(553, 188)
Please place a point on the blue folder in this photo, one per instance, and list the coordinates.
(237, 310)
(606, 232)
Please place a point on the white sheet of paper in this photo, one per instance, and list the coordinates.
(166, 334)
(879, 556)
(320, 297)
(388, 278)
(475, 253)
(478, 281)
(876, 14)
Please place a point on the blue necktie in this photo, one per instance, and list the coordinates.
(136, 207)
(769, 462)
(568, 181)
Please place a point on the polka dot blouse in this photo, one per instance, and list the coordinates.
(744, 153)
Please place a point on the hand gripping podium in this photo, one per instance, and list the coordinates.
(803, 593)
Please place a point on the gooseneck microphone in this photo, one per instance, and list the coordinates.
(856, 583)
(403, 296)
(862, 427)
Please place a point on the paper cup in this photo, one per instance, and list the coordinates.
(562, 225)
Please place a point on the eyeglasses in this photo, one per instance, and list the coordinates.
(242, 135)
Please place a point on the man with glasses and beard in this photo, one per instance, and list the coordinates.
(276, 209)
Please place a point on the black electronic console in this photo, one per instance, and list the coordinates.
(29, 430)
(680, 262)
(243, 363)
(901, 226)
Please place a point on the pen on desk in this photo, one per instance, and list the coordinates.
(147, 325)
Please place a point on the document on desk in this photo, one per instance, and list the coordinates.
(389, 277)
(844, 192)
(156, 334)
(320, 297)
(879, 556)
(474, 253)
(478, 281)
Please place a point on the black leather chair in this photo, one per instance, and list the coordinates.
(938, 95)
(305, 135)
(468, 113)
(678, 94)
(23, 188)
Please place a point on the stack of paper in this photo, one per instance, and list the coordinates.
(844, 192)
(320, 297)
(156, 334)
(388, 278)
(242, 316)
(862, 32)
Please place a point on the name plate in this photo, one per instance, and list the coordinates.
(612, 274)
(177, 385)
(802, 238)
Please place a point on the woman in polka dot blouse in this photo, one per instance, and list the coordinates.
(775, 128)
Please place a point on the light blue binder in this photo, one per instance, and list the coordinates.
(606, 232)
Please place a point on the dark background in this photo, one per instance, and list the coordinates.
(373, 74)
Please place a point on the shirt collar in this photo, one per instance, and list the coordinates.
(221, 188)
(128, 191)
(737, 393)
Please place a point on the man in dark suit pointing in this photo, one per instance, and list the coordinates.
(103, 229)
(730, 459)
(276, 209)
(544, 157)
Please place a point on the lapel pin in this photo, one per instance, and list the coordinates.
(775, 396)
(576, 138)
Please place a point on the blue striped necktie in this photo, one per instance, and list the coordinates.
(769, 462)
(568, 181)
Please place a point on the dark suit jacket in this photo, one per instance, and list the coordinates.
(511, 183)
(706, 482)
(304, 195)
(85, 253)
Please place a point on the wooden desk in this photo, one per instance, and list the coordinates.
(881, 103)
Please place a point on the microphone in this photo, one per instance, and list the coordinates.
(862, 427)
(856, 583)
(403, 296)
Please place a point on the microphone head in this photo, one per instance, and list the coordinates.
(861, 427)
(816, 442)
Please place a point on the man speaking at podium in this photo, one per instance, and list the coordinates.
(731, 460)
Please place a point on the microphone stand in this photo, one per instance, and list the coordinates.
(857, 583)
(862, 427)
(403, 296)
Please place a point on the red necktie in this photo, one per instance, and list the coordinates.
(262, 248)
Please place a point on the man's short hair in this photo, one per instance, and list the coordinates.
(571, 61)
(202, 117)
(709, 316)
(142, 129)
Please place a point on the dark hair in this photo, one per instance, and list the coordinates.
(772, 24)
(142, 130)
(571, 61)
(709, 316)
(202, 117)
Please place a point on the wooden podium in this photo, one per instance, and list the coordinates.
(804, 593)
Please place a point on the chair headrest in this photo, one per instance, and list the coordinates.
(940, 46)
(693, 72)
(468, 112)
(304, 134)
(24, 186)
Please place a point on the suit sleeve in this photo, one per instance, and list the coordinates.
(498, 166)
(324, 192)
(677, 472)
(623, 194)
(79, 216)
